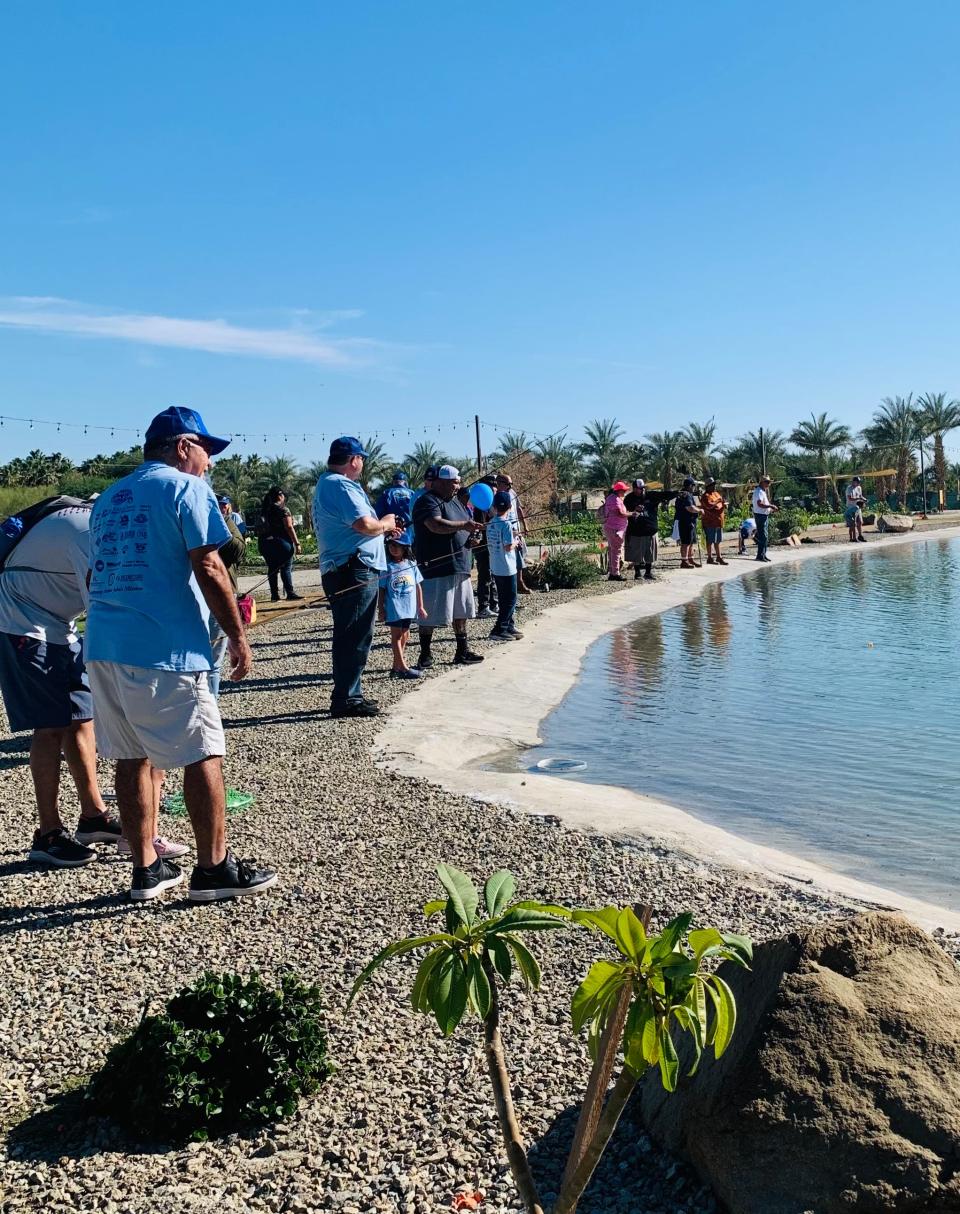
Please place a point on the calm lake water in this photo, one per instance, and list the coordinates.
(814, 707)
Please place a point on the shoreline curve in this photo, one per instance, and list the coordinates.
(434, 734)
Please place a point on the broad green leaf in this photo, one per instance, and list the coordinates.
(498, 891)
(631, 938)
(527, 963)
(462, 891)
(697, 1003)
(690, 1024)
(500, 956)
(669, 1062)
(741, 945)
(395, 950)
(418, 995)
(603, 918)
(637, 1018)
(704, 938)
(650, 1041)
(478, 986)
(671, 935)
(726, 1010)
(546, 908)
(584, 1005)
(431, 908)
(447, 987)
(517, 920)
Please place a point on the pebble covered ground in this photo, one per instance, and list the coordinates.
(406, 1121)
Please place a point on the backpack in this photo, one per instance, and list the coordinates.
(13, 529)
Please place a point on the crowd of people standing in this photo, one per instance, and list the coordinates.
(152, 561)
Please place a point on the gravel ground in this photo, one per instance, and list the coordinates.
(407, 1119)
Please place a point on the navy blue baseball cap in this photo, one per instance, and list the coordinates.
(502, 501)
(399, 478)
(223, 500)
(345, 447)
(431, 472)
(174, 421)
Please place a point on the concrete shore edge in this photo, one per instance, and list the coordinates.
(438, 735)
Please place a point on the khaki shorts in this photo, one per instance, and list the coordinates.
(166, 716)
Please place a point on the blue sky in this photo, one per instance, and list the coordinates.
(388, 216)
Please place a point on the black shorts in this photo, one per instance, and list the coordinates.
(688, 530)
(400, 623)
(44, 686)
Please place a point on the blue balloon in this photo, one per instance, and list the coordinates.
(481, 496)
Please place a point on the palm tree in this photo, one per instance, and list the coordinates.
(231, 477)
(602, 435)
(750, 455)
(377, 464)
(512, 446)
(939, 415)
(822, 436)
(893, 434)
(668, 452)
(701, 441)
(417, 461)
(564, 459)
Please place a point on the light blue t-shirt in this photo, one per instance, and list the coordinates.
(337, 504)
(399, 585)
(499, 534)
(146, 608)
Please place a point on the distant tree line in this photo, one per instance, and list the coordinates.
(809, 461)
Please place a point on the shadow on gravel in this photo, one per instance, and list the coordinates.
(14, 752)
(282, 718)
(634, 1176)
(286, 683)
(66, 1128)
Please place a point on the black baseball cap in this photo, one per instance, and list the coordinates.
(502, 501)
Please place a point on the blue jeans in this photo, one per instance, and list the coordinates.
(507, 599)
(763, 533)
(352, 593)
(278, 554)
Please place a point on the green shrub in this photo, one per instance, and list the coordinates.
(791, 522)
(227, 1053)
(567, 569)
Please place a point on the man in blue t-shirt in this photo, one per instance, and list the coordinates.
(397, 499)
(155, 576)
(351, 555)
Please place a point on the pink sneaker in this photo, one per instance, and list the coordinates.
(165, 848)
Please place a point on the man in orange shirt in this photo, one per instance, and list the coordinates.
(714, 507)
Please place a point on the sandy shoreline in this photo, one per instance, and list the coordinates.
(445, 739)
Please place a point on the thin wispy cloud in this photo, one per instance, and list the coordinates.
(306, 340)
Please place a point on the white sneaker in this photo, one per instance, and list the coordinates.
(165, 848)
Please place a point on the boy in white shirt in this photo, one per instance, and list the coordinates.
(854, 511)
(502, 546)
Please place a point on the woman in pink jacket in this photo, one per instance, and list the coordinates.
(615, 515)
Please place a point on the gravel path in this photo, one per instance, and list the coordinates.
(407, 1118)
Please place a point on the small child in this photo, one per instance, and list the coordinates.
(400, 602)
(502, 546)
(748, 528)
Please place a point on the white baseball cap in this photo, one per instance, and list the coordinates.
(447, 472)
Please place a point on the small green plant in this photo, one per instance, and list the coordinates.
(226, 1053)
(568, 569)
(654, 987)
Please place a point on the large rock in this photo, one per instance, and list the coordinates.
(897, 523)
(841, 1088)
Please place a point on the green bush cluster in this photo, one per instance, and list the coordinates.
(567, 569)
(584, 530)
(226, 1053)
(791, 522)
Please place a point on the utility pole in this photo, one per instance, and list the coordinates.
(923, 475)
(476, 422)
(763, 454)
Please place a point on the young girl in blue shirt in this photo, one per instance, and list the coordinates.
(400, 603)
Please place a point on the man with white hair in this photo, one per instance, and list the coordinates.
(444, 532)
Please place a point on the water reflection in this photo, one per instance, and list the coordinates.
(831, 684)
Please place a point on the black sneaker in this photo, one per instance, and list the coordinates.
(467, 658)
(58, 848)
(425, 661)
(100, 829)
(355, 708)
(151, 881)
(294, 598)
(232, 878)
(514, 635)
